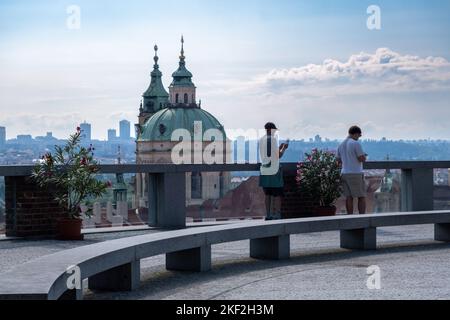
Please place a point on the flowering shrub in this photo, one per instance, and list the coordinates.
(319, 176)
(70, 172)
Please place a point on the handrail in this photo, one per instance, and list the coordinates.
(25, 170)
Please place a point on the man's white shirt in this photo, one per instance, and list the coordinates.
(349, 151)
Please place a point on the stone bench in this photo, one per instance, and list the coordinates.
(115, 265)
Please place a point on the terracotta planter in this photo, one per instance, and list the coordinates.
(325, 211)
(69, 229)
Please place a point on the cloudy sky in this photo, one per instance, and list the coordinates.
(312, 67)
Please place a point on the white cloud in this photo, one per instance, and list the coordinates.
(382, 71)
(386, 93)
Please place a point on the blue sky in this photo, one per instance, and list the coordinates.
(51, 77)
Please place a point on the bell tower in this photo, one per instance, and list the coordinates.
(155, 97)
(182, 90)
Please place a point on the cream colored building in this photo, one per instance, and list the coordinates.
(162, 113)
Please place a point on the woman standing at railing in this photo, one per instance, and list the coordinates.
(271, 174)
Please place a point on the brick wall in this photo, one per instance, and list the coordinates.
(30, 210)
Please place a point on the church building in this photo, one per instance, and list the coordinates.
(161, 113)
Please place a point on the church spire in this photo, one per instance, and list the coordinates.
(182, 90)
(155, 58)
(182, 57)
(182, 76)
(155, 97)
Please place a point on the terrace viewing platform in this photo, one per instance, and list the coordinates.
(235, 270)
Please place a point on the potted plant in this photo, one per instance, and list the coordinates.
(69, 174)
(319, 178)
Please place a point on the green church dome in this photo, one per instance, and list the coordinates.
(182, 74)
(160, 126)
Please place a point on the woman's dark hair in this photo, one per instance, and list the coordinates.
(354, 130)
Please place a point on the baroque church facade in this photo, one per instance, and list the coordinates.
(161, 113)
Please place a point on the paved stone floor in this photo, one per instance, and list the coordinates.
(412, 266)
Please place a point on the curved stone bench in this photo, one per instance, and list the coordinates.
(115, 265)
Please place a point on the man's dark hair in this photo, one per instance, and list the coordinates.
(354, 130)
(270, 125)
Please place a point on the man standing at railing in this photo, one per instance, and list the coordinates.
(351, 155)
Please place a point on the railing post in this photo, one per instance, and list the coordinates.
(417, 189)
(167, 200)
(152, 199)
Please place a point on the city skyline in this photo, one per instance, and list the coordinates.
(314, 138)
(122, 132)
(311, 67)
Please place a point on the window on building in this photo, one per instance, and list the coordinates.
(185, 98)
(176, 98)
(196, 185)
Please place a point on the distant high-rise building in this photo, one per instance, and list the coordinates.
(124, 130)
(85, 131)
(318, 139)
(112, 134)
(2, 137)
(47, 138)
(24, 138)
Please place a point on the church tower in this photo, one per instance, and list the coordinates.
(156, 97)
(160, 115)
(182, 90)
